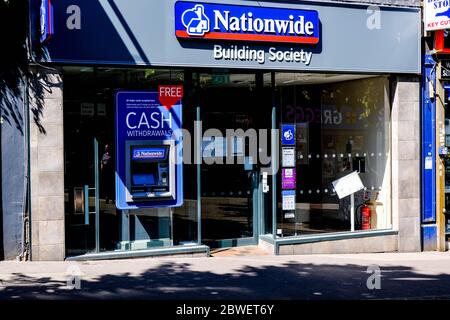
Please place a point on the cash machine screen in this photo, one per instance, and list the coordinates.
(149, 168)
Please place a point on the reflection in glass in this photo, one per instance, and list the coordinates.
(340, 128)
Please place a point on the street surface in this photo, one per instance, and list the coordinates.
(403, 276)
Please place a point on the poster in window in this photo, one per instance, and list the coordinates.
(288, 178)
(288, 157)
(288, 200)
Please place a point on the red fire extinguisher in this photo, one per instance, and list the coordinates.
(365, 217)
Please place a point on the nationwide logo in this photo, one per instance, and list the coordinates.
(148, 154)
(288, 135)
(245, 23)
(195, 21)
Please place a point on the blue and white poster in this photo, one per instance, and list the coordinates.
(436, 15)
(288, 134)
(144, 126)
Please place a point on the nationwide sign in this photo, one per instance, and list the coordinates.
(149, 154)
(195, 20)
(437, 14)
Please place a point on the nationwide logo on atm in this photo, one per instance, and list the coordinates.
(148, 154)
(245, 23)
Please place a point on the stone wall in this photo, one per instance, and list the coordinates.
(405, 95)
(47, 173)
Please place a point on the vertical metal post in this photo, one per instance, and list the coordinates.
(28, 173)
(255, 205)
(86, 204)
(274, 154)
(198, 151)
(352, 212)
(127, 212)
(261, 215)
(1, 184)
(97, 195)
(171, 226)
(125, 230)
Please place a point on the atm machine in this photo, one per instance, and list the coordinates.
(150, 173)
(149, 148)
(149, 167)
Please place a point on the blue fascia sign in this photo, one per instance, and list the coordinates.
(196, 20)
(149, 153)
(46, 20)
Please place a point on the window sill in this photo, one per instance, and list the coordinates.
(327, 237)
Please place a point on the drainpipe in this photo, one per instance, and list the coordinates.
(26, 253)
(2, 256)
(27, 219)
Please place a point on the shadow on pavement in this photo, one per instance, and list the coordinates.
(293, 280)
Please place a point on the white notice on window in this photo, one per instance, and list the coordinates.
(288, 157)
(347, 185)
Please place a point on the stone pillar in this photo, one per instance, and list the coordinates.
(405, 95)
(47, 169)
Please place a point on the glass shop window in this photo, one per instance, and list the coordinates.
(89, 114)
(335, 174)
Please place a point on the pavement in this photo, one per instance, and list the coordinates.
(235, 277)
(238, 251)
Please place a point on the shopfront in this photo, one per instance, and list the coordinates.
(294, 125)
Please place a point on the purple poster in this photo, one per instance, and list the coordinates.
(288, 178)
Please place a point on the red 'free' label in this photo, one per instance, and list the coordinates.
(170, 95)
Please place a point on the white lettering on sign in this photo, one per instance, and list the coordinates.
(246, 23)
(74, 20)
(171, 92)
(290, 56)
(154, 120)
(244, 53)
(128, 120)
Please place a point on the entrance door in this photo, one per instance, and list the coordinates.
(230, 193)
